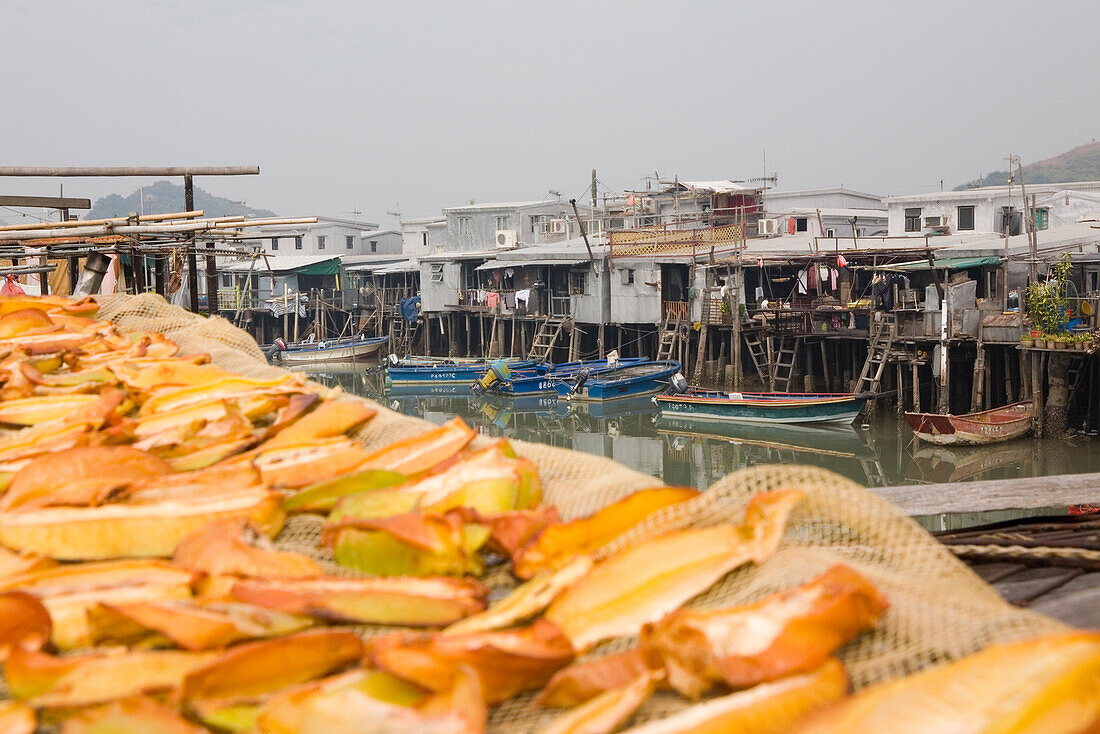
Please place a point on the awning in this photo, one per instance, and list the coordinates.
(328, 267)
(305, 264)
(947, 263)
(502, 264)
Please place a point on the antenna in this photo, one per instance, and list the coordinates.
(354, 212)
(396, 212)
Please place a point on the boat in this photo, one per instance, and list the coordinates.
(988, 426)
(345, 349)
(466, 372)
(644, 378)
(762, 407)
(827, 439)
(545, 380)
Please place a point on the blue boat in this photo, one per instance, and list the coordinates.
(547, 380)
(645, 378)
(762, 407)
(466, 372)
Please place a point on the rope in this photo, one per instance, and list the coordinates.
(1021, 553)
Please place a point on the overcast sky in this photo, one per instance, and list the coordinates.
(419, 105)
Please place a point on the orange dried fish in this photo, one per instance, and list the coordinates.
(131, 716)
(488, 480)
(392, 600)
(86, 306)
(233, 388)
(1047, 685)
(423, 452)
(17, 718)
(769, 708)
(190, 624)
(16, 322)
(506, 661)
(24, 623)
(526, 600)
(15, 564)
(79, 476)
(46, 681)
(150, 375)
(604, 713)
(237, 547)
(39, 409)
(582, 681)
(253, 669)
(301, 464)
(648, 580)
(330, 419)
(132, 530)
(559, 543)
(793, 631)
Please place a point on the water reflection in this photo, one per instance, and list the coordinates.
(692, 454)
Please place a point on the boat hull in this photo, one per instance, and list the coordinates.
(340, 351)
(768, 408)
(547, 382)
(647, 378)
(434, 374)
(973, 429)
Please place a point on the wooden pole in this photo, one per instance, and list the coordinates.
(916, 388)
(192, 258)
(212, 281)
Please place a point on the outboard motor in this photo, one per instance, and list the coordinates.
(677, 384)
(272, 352)
(579, 380)
(498, 372)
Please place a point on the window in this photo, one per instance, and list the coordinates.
(1042, 217)
(373, 245)
(349, 241)
(502, 222)
(912, 220)
(628, 276)
(298, 242)
(830, 232)
(437, 273)
(801, 224)
(536, 223)
(577, 282)
(227, 281)
(859, 231)
(274, 243)
(966, 217)
(424, 239)
(320, 242)
(618, 223)
(463, 225)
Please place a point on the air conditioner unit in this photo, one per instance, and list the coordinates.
(506, 239)
(557, 226)
(769, 227)
(938, 221)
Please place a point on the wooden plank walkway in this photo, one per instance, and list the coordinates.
(1028, 493)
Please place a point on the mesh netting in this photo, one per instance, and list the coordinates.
(939, 608)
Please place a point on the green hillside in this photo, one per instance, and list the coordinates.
(1080, 164)
(164, 197)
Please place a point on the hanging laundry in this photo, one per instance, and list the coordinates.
(841, 262)
(480, 296)
(833, 275)
(510, 272)
(811, 278)
(790, 225)
(510, 300)
(802, 282)
(523, 297)
(492, 298)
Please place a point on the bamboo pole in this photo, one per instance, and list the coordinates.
(89, 222)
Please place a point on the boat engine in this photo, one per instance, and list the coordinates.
(579, 380)
(272, 351)
(677, 384)
(498, 372)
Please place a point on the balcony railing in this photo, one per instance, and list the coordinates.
(675, 310)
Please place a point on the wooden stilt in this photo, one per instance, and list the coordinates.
(700, 355)
(916, 387)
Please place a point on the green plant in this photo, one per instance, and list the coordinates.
(1048, 302)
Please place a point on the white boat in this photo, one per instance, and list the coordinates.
(332, 350)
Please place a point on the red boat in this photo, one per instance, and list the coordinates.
(989, 426)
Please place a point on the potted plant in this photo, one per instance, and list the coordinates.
(1041, 341)
(1026, 342)
(1047, 303)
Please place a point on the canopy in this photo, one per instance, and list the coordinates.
(948, 263)
(501, 264)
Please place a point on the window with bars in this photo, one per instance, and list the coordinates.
(578, 282)
(502, 222)
(912, 220)
(463, 225)
(320, 242)
(274, 243)
(349, 241)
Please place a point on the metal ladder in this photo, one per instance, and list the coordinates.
(670, 338)
(546, 337)
(782, 368)
(878, 354)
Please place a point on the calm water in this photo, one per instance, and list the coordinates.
(630, 432)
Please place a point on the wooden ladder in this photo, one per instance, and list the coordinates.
(759, 356)
(401, 339)
(782, 368)
(670, 339)
(878, 354)
(546, 337)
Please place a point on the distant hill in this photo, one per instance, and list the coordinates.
(1080, 164)
(165, 197)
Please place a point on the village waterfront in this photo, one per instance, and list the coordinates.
(877, 452)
